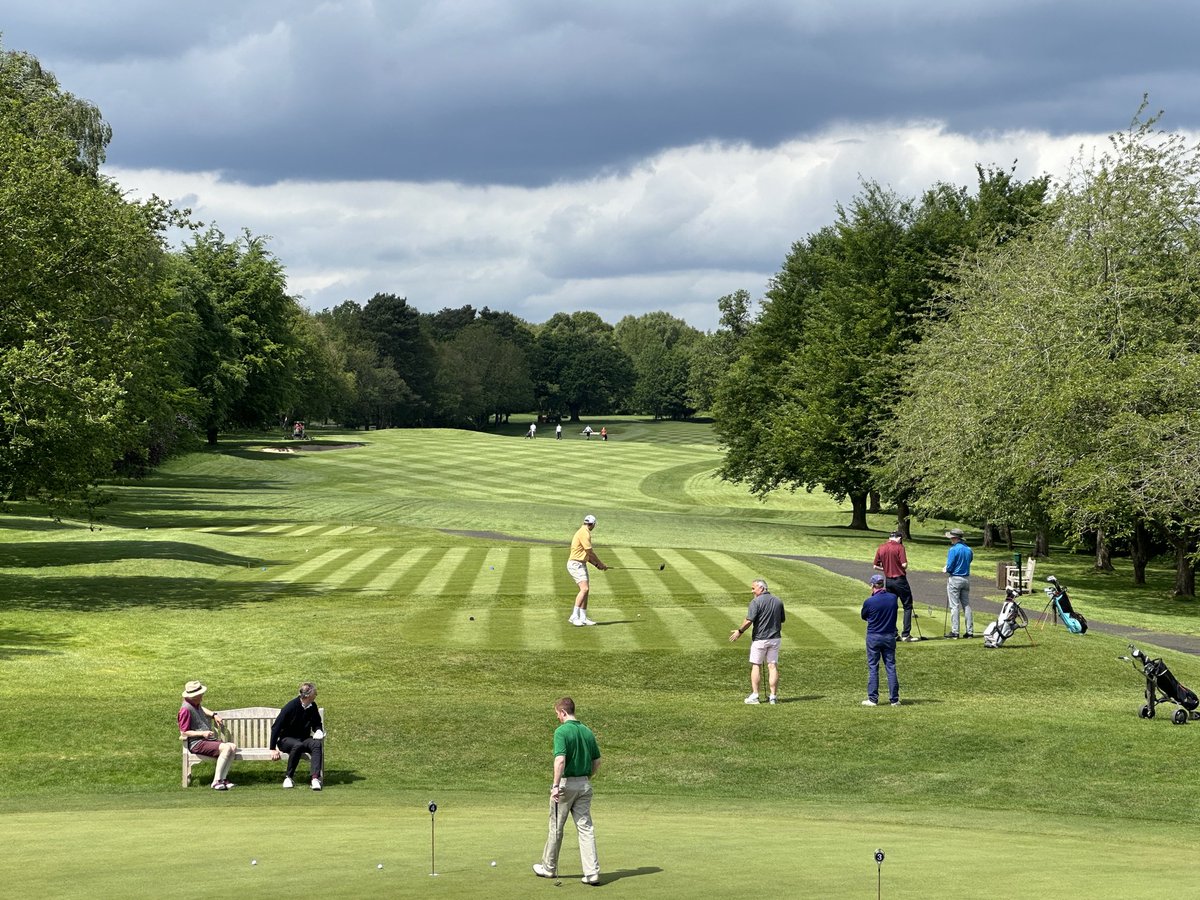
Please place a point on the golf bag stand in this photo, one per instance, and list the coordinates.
(1011, 617)
(1063, 610)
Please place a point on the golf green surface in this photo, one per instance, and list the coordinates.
(419, 578)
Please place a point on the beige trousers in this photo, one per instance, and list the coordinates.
(576, 801)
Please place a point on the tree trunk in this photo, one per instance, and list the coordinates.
(211, 435)
(991, 534)
(858, 503)
(1008, 541)
(904, 519)
(1041, 543)
(875, 507)
(1103, 552)
(1185, 572)
(1139, 551)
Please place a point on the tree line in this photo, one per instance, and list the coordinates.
(1024, 354)
(117, 350)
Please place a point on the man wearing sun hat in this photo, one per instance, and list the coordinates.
(879, 612)
(198, 726)
(582, 554)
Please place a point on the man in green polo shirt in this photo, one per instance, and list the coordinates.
(576, 760)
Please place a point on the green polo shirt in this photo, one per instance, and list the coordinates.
(575, 741)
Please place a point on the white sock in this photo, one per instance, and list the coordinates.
(576, 613)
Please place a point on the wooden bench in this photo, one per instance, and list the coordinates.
(1018, 580)
(249, 728)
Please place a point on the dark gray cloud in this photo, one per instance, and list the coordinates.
(541, 91)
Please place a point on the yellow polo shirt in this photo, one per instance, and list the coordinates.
(581, 544)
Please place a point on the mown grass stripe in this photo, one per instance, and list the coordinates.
(657, 629)
(307, 529)
(696, 578)
(513, 570)
(830, 626)
(468, 573)
(351, 570)
(441, 566)
(546, 575)
(393, 569)
(303, 571)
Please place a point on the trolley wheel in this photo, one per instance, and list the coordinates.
(1146, 712)
(1179, 717)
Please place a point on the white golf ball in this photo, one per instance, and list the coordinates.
(380, 866)
(493, 862)
(254, 862)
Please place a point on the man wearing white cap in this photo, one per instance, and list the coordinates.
(582, 554)
(198, 726)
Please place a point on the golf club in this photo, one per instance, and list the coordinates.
(661, 566)
(917, 620)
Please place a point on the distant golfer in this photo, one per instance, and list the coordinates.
(879, 611)
(558, 432)
(892, 561)
(582, 554)
(198, 726)
(958, 582)
(766, 614)
(532, 432)
(298, 730)
(576, 761)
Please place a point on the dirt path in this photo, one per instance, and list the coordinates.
(929, 590)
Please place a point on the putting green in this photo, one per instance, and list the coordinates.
(332, 846)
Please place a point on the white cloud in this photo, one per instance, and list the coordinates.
(675, 232)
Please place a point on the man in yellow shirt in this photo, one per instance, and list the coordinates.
(582, 554)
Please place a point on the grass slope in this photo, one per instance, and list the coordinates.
(438, 656)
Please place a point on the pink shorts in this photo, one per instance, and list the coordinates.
(764, 651)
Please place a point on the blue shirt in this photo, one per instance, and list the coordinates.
(880, 612)
(958, 559)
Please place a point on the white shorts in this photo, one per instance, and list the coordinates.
(764, 651)
(578, 571)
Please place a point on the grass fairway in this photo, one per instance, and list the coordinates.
(419, 578)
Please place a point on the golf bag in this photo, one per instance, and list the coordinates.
(1076, 623)
(1163, 687)
(1011, 617)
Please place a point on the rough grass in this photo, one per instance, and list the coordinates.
(439, 655)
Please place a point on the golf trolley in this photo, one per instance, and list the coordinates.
(1163, 687)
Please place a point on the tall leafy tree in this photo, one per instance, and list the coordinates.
(84, 316)
(1076, 352)
(247, 347)
(395, 328)
(578, 365)
(660, 346)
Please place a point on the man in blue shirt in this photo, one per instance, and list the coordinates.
(879, 611)
(958, 582)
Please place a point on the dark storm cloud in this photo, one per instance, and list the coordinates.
(543, 91)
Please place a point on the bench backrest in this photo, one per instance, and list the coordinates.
(250, 726)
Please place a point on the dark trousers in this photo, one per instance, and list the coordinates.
(296, 748)
(879, 645)
(899, 587)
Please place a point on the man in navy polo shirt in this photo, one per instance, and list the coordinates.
(879, 611)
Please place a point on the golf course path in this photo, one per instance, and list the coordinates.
(929, 588)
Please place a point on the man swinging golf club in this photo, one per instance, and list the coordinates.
(582, 554)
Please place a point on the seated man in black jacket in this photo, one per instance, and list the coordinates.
(298, 730)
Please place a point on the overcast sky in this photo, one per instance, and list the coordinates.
(539, 156)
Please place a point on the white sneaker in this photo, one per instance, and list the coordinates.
(870, 703)
(541, 871)
(578, 623)
(316, 784)
(288, 783)
(771, 699)
(586, 621)
(752, 699)
(591, 879)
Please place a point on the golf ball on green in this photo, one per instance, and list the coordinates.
(493, 862)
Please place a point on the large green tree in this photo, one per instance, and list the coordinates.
(578, 365)
(660, 346)
(1062, 385)
(86, 324)
(809, 401)
(247, 342)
